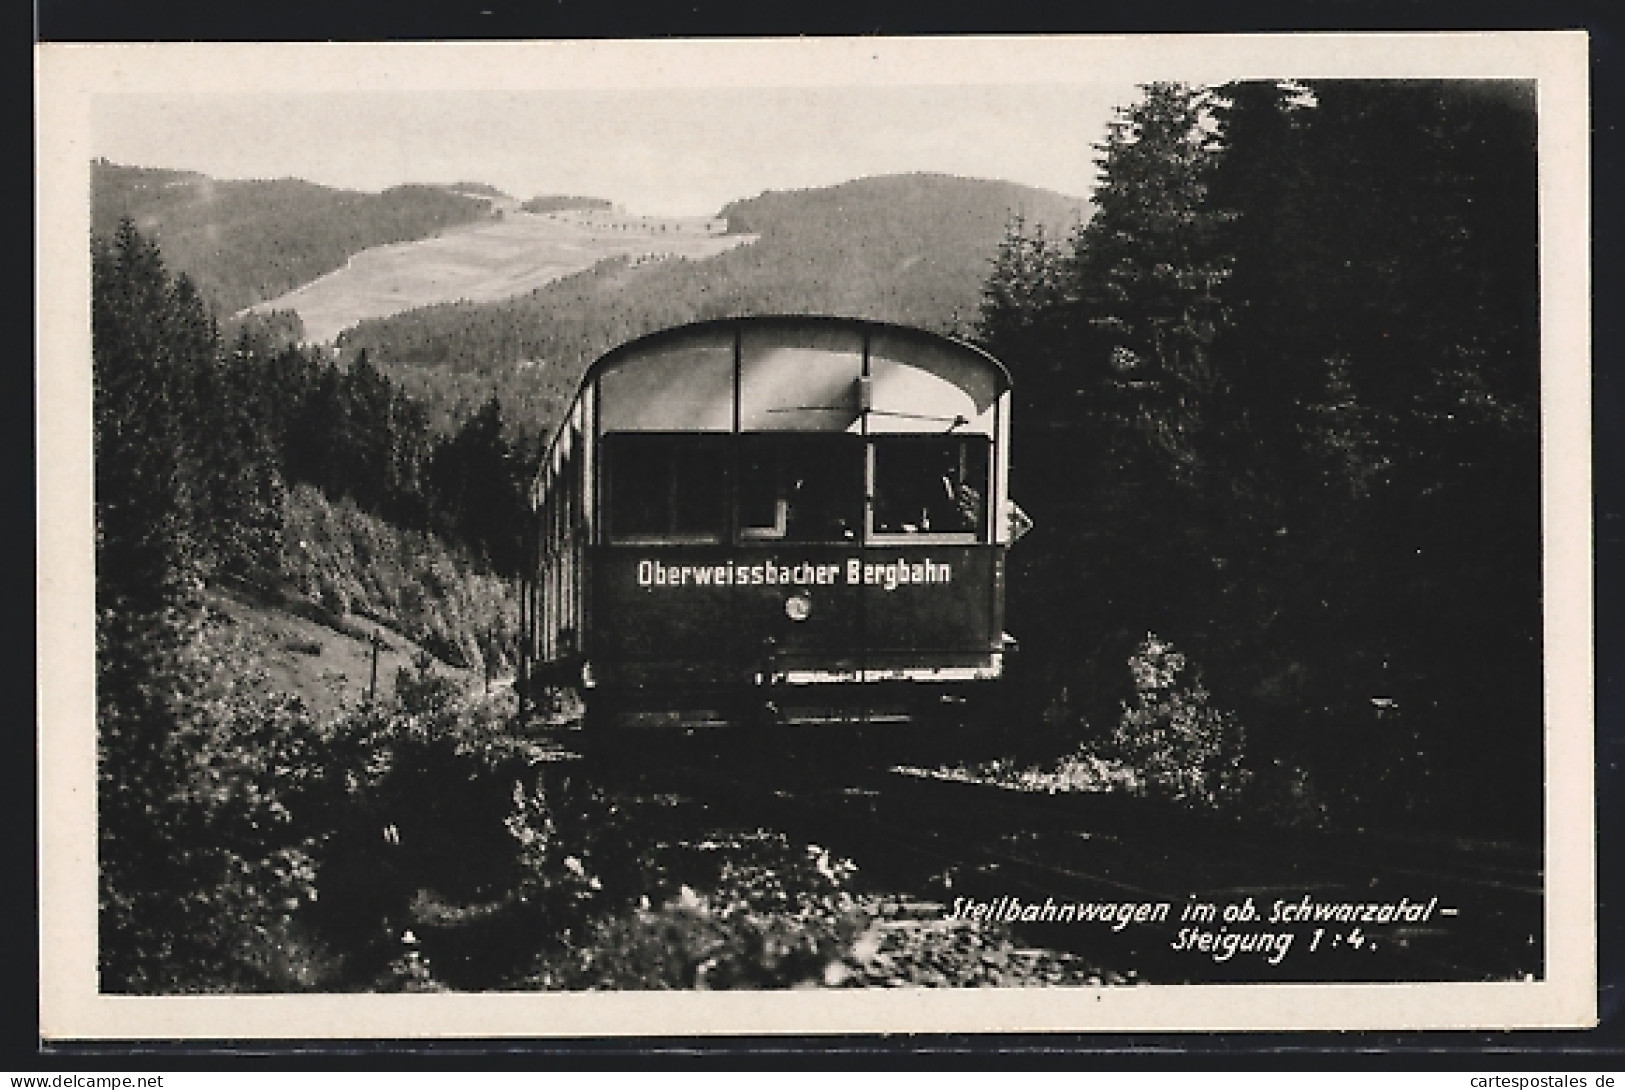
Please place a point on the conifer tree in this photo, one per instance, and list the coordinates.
(149, 345)
(1149, 266)
(1288, 412)
(478, 483)
(1021, 310)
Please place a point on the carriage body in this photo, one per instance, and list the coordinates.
(793, 518)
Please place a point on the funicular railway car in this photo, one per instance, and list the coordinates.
(796, 520)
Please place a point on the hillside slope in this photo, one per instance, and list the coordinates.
(489, 261)
(244, 242)
(906, 248)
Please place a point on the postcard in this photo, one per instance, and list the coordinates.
(824, 536)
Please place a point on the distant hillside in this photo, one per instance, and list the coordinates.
(567, 204)
(907, 248)
(244, 242)
(978, 207)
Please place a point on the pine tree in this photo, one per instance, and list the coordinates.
(149, 345)
(478, 483)
(1433, 307)
(1148, 269)
(1022, 308)
(1287, 412)
(366, 438)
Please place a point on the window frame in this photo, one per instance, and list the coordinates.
(844, 444)
(872, 536)
(615, 442)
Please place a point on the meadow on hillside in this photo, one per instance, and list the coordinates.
(242, 242)
(488, 261)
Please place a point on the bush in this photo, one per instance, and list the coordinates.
(770, 918)
(211, 820)
(1175, 743)
(247, 847)
(416, 845)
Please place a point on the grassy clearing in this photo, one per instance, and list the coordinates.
(483, 263)
(326, 661)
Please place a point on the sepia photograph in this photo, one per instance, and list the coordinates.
(810, 536)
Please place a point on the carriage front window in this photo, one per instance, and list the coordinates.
(930, 486)
(666, 487)
(800, 487)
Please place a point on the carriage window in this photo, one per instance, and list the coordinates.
(800, 487)
(666, 486)
(930, 485)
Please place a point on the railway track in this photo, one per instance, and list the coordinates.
(1479, 927)
(1390, 908)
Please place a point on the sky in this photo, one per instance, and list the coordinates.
(669, 151)
(681, 126)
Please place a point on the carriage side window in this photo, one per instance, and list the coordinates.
(666, 487)
(800, 487)
(930, 485)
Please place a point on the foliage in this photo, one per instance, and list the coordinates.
(166, 520)
(225, 809)
(478, 481)
(262, 850)
(771, 919)
(350, 562)
(263, 333)
(358, 436)
(210, 826)
(422, 801)
(1168, 743)
(184, 493)
(184, 484)
(1278, 400)
(1176, 743)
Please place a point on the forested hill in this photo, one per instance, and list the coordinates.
(910, 248)
(550, 203)
(925, 203)
(243, 242)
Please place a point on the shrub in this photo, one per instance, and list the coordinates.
(246, 846)
(1176, 743)
(210, 823)
(768, 918)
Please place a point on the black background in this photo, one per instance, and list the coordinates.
(366, 20)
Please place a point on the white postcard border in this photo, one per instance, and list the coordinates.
(69, 76)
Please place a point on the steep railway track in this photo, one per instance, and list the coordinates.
(1395, 909)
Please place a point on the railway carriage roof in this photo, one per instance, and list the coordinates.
(787, 323)
(796, 373)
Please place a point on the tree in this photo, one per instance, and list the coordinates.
(1437, 321)
(1109, 338)
(211, 790)
(150, 340)
(1149, 267)
(1023, 307)
(479, 486)
(1287, 413)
